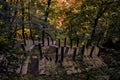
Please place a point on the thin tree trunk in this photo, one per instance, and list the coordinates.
(102, 10)
(46, 18)
(100, 13)
(29, 18)
(23, 25)
(13, 34)
(9, 20)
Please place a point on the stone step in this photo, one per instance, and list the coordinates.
(33, 66)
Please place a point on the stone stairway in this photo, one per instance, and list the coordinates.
(47, 65)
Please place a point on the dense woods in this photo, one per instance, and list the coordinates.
(80, 24)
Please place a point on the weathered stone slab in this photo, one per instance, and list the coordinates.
(87, 51)
(95, 51)
(25, 65)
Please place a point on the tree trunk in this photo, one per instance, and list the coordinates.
(23, 25)
(99, 14)
(46, 18)
(29, 18)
